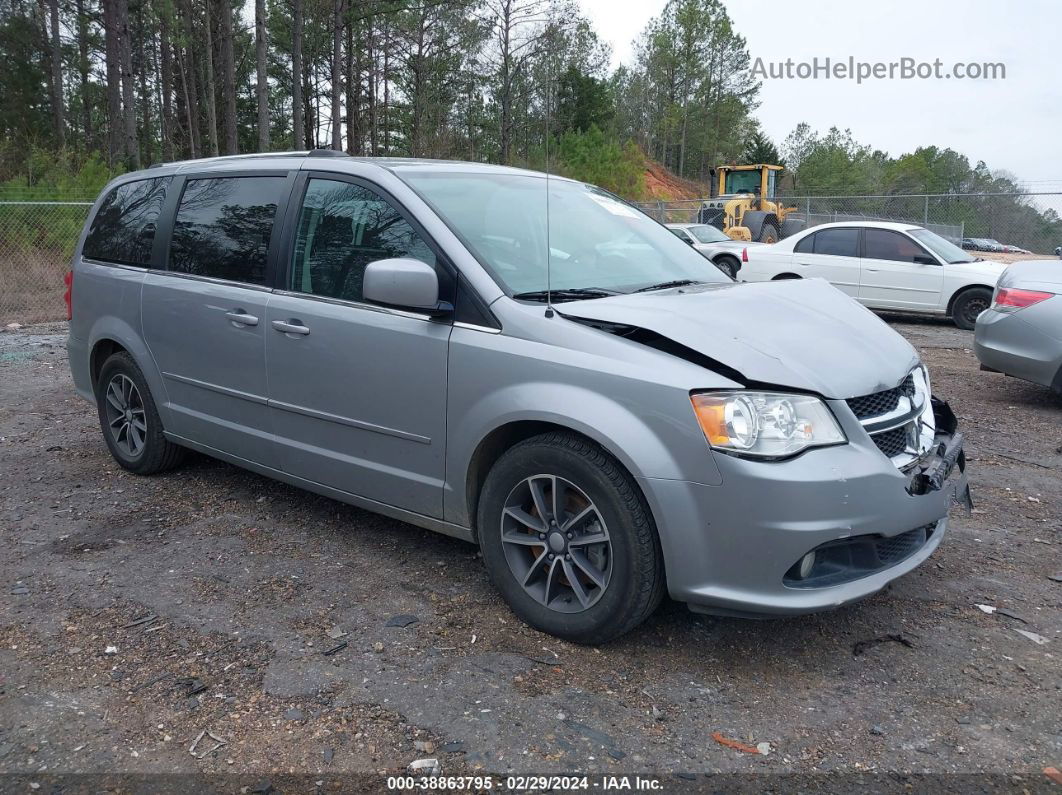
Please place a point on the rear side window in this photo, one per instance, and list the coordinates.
(838, 242)
(223, 227)
(123, 230)
(806, 245)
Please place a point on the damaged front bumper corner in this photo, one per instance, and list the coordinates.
(933, 470)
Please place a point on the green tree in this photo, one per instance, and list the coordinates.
(760, 149)
(592, 156)
(583, 101)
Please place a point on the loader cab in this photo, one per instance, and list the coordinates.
(759, 180)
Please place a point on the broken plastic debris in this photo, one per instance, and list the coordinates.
(737, 745)
(1039, 640)
(986, 609)
(218, 742)
(430, 765)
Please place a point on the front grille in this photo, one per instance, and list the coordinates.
(713, 216)
(880, 403)
(848, 559)
(891, 442)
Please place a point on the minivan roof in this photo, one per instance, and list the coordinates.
(331, 160)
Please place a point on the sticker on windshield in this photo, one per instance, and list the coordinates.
(613, 206)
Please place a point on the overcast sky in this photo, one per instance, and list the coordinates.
(1012, 124)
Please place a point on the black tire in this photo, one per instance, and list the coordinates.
(728, 265)
(784, 276)
(769, 233)
(790, 226)
(635, 585)
(969, 305)
(155, 453)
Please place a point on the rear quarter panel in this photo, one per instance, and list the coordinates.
(765, 262)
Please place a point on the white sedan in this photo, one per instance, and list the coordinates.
(713, 244)
(883, 266)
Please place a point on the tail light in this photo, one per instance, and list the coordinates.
(68, 294)
(1010, 299)
(744, 255)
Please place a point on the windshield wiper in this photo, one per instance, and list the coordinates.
(565, 294)
(666, 285)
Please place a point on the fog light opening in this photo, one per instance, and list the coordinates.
(807, 563)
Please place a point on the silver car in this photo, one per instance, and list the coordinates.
(1021, 333)
(523, 362)
(726, 253)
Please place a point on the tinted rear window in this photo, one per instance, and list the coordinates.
(839, 242)
(123, 230)
(223, 227)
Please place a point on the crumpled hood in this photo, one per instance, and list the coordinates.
(799, 333)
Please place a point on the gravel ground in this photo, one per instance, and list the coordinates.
(314, 638)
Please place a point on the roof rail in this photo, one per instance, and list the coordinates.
(223, 158)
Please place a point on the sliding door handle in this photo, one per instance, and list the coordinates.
(290, 327)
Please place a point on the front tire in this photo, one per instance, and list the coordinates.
(129, 420)
(969, 305)
(568, 540)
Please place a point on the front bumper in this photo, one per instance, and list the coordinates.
(730, 548)
(1013, 344)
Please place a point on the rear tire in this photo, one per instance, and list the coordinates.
(790, 226)
(769, 234)
(969, 305)
(129, 420)
(728, 265)
(534, 567)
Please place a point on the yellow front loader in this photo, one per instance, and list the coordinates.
(744, 207)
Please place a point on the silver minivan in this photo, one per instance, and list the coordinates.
(521, 361)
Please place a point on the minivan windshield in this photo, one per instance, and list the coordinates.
(948, 252)
(598, 244)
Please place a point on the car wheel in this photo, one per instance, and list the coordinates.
(728, 265)
(969, 305)
(129, 420)
(568, 541)
(769, 233)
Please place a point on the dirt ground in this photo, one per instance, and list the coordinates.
(314, 638)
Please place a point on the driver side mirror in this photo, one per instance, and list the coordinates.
(404, 283)
(924, 259)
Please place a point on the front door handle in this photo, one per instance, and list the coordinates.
(292, 327)
(239, 317)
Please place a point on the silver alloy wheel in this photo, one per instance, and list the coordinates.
(126, 418)
(556, 543)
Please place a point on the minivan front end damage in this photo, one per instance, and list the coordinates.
(828, 525)
(825, 528)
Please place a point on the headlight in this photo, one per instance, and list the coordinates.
(765, 424)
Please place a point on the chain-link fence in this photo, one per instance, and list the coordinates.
(1000, 223)
(37, 239)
